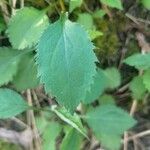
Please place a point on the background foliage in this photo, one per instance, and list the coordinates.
(74, 74)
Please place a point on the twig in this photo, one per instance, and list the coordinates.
(107, 11)
(31, 120)
(19, 122)
(5, 12)
(86, 7)
(135, 20)
(142, 43)
(133, 107)
(29, 112)
(62, 5)
(138, 135)
(123, 88)
(35, 98)
(123, 51)
(132, 18)
(13, 4)
(21, 3)
(23, 138)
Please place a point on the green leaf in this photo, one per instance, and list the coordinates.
(146, 79)
(72, 120)
(94, 34)
(113, 3)
(50, 134)
(111, 142)
(137, 87)
(99, 14)
(66, 62)
(74, 4)
(106, 99)
(97, 88)
(72, 140)
(26, 27)
(113, 77)
(9, 60)
(109, 122)
(26, 77)
(11, 104)
(41, 123)
(139, 61)
(2, 24)
(86, 20)
(146, 4)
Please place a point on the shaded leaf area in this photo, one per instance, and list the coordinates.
(50, 134)
(146, 79)
(26, 77)
(104, 79)
(137, 88)
(108, 123)
(71, 140)
(2, 24)
(12, 103)
(74, 4)
(113, 3)
(9, 60)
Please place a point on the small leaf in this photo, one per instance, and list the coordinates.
(41, 123)
(99, 14)
(74, 4)
(113, 77)
(146, 79)
(139, 61)
(111, 142)
(9, 60)
(72, 140)
(106, 99)
(26, 27)
(72, 120)
(137, 87)
(86, 20)
(146, 4)
(11, 104)
(113, 3)
(26, 76)
(66, 62)
(109, 122)
(94, 34)
(50, 134)
(97, 88)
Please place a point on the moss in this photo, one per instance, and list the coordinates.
(8, 146)
(107, 44)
